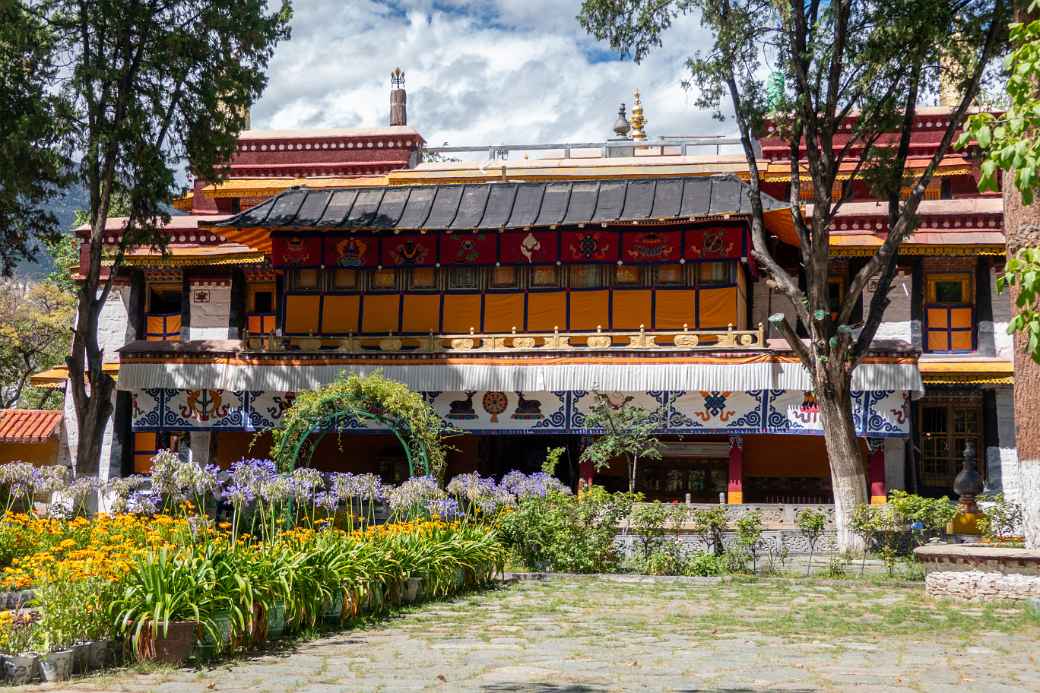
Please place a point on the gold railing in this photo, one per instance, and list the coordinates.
(513, 342)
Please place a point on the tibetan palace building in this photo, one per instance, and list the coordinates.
(509, 290)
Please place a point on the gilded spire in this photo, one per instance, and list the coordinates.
(638, 120)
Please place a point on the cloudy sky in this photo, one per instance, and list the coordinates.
(478, 72)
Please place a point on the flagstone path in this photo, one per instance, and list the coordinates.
(591, 635)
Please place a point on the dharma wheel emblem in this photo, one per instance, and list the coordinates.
(494, 403)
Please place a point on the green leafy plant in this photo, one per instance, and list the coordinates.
(925, 517)
(710, 525)
(372, 396)
(161, 588)
(749, 536)
(811, 523)
(1023, 271)
(552, 459)
(628, 434)
(1003, 518)
(705, 564)
(567, 533)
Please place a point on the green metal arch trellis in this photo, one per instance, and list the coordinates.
(329, 423)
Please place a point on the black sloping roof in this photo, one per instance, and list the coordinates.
(502, 205)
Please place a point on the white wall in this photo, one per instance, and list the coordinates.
(1002, 468)
(895, 463)
(896, 323)
(210, 306)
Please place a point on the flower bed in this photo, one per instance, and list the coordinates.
(138, 581)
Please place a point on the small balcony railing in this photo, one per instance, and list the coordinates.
(515, 342)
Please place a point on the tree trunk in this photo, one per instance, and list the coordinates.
(92, 421)
(1022, 227)
(848, 468)
(632, 474)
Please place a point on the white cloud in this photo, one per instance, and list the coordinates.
(478, 72)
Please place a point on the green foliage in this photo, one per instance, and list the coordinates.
(366, 397)
(1023, 271)
(705, 564)
(1003, 518)
(574, 534)
(628, 433)
(71, 609)
(1009, 143)
(552, 460)
(648, 521)
(34, 336)
(927, 517)
(749, 536)
(879, 526)
(33, 120)
(811, 523)
(1009, 140)
(710, 524)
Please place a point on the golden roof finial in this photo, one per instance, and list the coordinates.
(638, 120)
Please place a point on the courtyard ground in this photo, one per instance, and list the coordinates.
(588, 634)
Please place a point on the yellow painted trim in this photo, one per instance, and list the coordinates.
(878, 500)
(734, 497)
(195, 260)
(54, 378)
(942, 250)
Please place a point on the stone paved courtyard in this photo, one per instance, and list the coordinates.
(576, 635)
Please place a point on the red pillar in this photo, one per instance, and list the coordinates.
(586, 473)
(876, 471)
(735, 491)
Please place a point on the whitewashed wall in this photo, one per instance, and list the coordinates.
(210, 306)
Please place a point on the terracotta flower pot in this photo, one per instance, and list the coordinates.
(334, 609)
(173, 646)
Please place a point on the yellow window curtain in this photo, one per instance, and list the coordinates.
(461, 312)
(422, 313)
(718, 308)
(631, 308)
(589, 310)
(380, 313)
(674, 308)
(340, 314)
(503, 312)
(546, 310)
(301, 313)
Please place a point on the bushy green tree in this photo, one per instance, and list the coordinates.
(33, 120)
(628, 434)
(841, 81)
(150, 88)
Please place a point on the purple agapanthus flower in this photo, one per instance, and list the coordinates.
(444, 508)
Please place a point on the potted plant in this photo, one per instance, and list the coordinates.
(18, 637)
(164, 604)
(58, 601)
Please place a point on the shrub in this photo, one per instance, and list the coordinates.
(705, 564)
(811, 524)
(710, 524)
(925, 517)
(1003, 518)
(567, 533)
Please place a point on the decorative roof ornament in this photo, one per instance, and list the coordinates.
(621, 125)
(638, 120)
(398, 99)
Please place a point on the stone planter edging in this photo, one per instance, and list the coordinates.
(980, 573)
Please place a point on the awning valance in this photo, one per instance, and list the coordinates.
(737, 374)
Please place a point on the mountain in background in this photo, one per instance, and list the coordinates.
(64, 208)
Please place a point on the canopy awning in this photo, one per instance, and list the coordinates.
(739, 373)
